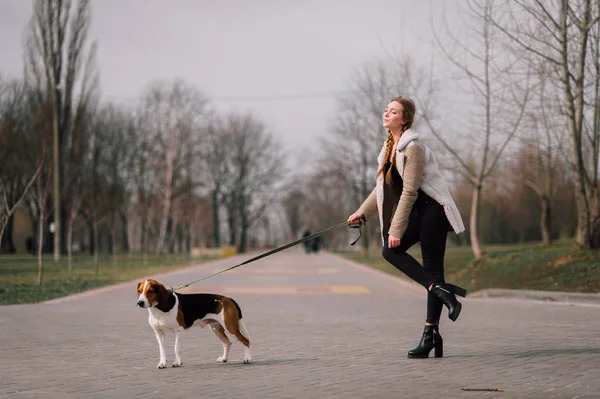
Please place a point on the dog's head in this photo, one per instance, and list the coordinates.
(151, 293)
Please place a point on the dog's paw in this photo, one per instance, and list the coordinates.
(161, 365)
(222, 359)
(177, 363)
(246, 360)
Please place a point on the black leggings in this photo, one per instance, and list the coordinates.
(429, 226)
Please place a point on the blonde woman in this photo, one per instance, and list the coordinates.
(414, 205)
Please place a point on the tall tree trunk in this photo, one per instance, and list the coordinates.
(595, 221)
(574, 109)
(474, 221)
(147, 240)
(231, 222)
(167, 191)
(113, 241)
(243, 231)
(124, 232)
(6, 233)
(143, 236)
(56, 167)
(40, 246)
(91, 239)
(216, 222)
(545, 221)
(582, 234)
(72, 217)
(96, 244)
(188, 239)
(146, 247)
(70, 248)
(173, 227)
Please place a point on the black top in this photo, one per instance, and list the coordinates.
(391, 196)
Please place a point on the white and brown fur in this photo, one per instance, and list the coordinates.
(173, 311)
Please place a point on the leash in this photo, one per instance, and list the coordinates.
(286, 246)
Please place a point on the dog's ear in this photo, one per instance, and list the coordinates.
(163, 295)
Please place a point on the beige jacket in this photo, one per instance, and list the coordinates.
(419, 169)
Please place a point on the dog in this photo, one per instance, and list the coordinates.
(173, 311)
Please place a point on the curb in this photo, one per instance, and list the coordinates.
(546, 296)
(533, 295)
(112, 287)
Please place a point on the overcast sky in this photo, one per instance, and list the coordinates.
(238, 49)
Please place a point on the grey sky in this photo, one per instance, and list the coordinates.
(240, 49)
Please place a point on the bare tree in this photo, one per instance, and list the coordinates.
(146, 184)
(76, 202)
(173, 113)
(565, 35)
(40, 195)
(6, 210)
(116, 140)
(499, 103)
(189, 178)
(94, 184)
(17, 139)
(540, 158)
(215, 148)
(59, 61)
(257, 170)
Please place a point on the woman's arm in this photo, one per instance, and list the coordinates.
(369, 207)
(413, 175)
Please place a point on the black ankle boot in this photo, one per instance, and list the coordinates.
(431, 339)
(445, 293)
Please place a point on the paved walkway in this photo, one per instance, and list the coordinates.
(320, 327)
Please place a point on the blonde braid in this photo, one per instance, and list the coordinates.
(388, 176)
(389, 143)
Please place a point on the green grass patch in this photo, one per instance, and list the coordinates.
(559, 267)
(18, 274)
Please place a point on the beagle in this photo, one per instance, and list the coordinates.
(173, 311)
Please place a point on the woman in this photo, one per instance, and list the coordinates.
(414, 205)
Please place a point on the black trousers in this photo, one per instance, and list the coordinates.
(429, 226)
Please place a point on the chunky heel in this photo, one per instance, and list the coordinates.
(431, 339)
(445, 293)
(453, 315)
(457, 290)
(438, 350)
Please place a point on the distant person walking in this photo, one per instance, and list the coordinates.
(307, 245)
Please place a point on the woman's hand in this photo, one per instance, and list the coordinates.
(356, 217)
(393, 241)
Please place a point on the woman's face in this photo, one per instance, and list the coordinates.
(393, 116)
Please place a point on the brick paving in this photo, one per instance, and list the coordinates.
(307, 341)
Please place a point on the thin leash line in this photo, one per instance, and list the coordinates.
(286, 246)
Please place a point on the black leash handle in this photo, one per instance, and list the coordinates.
(286, 246)
(357, 226)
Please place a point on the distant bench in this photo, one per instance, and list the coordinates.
(219, 252)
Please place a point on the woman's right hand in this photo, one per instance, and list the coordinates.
(356, 217)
